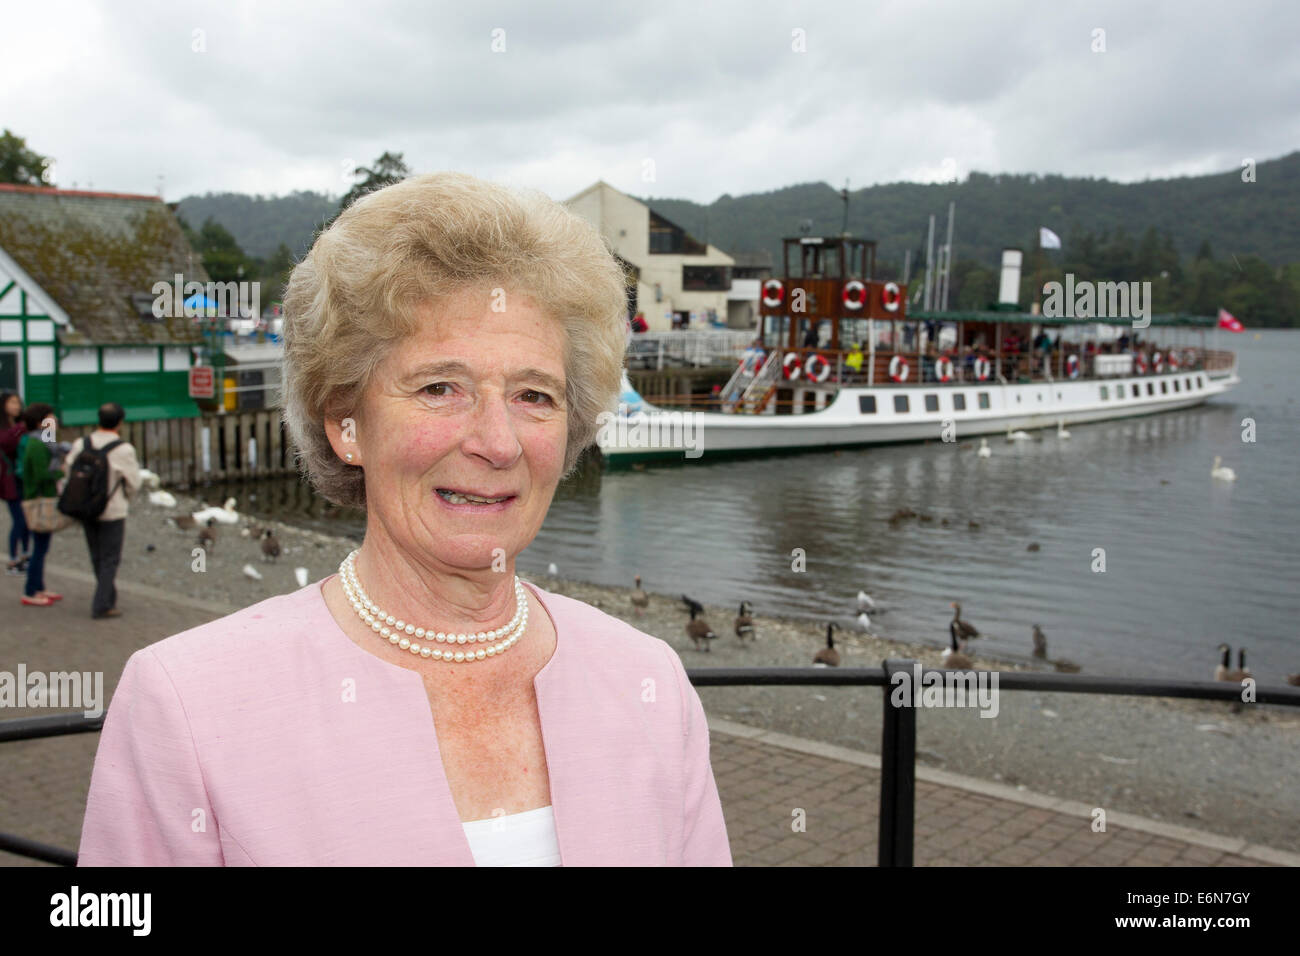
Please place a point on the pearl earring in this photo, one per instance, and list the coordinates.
(348, 456)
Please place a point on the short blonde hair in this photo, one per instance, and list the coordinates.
(418, 243)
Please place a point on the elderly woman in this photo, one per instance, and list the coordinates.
(449, 345)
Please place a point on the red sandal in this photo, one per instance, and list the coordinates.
(37, 601)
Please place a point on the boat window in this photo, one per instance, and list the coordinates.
(984, 399)
(1164, 387)
(1176, 388)
(958, 402)
(867, 404)
(1200, 381)
(1105, 393)
(1151, 388)
(932, 403)
(900, 403)
(1187, 383)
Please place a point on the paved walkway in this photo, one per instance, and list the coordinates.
(764, 778)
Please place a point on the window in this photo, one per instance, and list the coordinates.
(1151, 388)
(1176, 385)
(1164, 387)
(1187, 383)
(705, 279)
(932, 403)
(900, 403)
(131, 360)
(958, 402)
(1137, 389)
(1200, 381)
(867, 404)
(984, 399)
(1105, 393)
(80, 362)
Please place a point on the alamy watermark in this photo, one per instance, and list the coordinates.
(193, 300)
(945, 688)
(83, 690)
(1098, 300)
(660, 430)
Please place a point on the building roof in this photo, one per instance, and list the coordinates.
(91, 252)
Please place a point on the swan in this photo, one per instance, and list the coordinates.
(985, 451)
(1017, 435)
(162, 499)
(1220, 472)
(1060, 429)
(149, 480)
(226, 514)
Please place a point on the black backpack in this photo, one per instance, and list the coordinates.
(86, 494)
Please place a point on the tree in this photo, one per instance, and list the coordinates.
(388, 169)
(20, 165)
(220, 253)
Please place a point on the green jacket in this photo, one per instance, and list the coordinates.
(38, 480)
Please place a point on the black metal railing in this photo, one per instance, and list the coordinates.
(897, 736)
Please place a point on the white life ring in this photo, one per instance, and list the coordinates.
(943, 368)
(898, 368)
(773, 293)
(790, 365)
(1157, 362)
(890, 296)
(982, 369)
(1140, 363)
(1072, 365)
(855, 295)
(1173, 360)
(825, 372)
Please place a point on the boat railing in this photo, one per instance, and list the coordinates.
(659, 350)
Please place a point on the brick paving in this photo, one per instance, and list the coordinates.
(787, 801)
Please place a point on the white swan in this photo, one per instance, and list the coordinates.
(162, 499)
(1221, 473)
(149, 480)
(1060, 429)
(1016, 435)
(226, 514)
(985, 451)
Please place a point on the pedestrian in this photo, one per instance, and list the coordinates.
(105, 533)
(11, 480)
(39, 481)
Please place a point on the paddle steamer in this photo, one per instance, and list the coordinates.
(839, 362)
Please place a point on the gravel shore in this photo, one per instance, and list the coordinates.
(1191, 763)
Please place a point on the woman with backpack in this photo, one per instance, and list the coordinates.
(11, 481)
(39, 481)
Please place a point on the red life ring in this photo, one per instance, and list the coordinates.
(773, 293)
(825, 372)
(1072, 365)
(898, 368)
(982, 369)
(1140, 363)
(890, 296)
(1173, 361)
(855, 295)
(1157, 362)
(943, 368)
(790, 365)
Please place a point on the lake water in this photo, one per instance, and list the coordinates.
(1188, 564)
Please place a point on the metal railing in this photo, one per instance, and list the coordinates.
(687, 348)
(897, 735)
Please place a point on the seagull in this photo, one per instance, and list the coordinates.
(1220, 472)
(301, 575)
(553, 570)
(985, 451)
(864, 601)
(252, 572)
(864, 622)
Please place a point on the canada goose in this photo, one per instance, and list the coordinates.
(827, 656)
(1060, 429)
(745, 622)
(1242, 669)
(1293, 680)
(1223, 671)
(985, 451)
(640, 600)
(864, 601)
(1040, 642)
(208, 534)
(1222, 473)
(226, 514)
(964, 629)
(1033, 546)
(698, 630)
(952, 655)
(270, 546)
(1225, 662)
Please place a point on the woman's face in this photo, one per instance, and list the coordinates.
(13, 406)
(472, 405)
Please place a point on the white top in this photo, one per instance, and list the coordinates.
(515, 839)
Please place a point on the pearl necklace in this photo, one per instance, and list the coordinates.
(399, 632)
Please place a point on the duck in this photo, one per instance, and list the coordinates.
(1033, 546)
(973, 525)
(1060, 429)
(183, 522)
(1221, 473)
(697, 629)
(952, 654)
(745, 622)
(1040, 642)
(985, 451)
(964, 629)
(270, 546)
(208, 534)
(226, 514)
(640, 600)
(828, 656)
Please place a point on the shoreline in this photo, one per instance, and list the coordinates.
(1189, 763)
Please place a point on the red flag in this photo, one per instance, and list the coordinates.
(1230, 322)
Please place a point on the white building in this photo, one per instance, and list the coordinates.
(680, 281)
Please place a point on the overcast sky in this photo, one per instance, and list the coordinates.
(705, 97)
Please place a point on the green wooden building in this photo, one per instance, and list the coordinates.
(77, 324)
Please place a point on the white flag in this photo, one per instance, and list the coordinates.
(1048, 239)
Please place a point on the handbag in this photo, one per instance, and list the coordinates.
(43, 515)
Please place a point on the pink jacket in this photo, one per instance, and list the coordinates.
(269, 738)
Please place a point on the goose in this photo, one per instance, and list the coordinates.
(865, 602)
(640, 600)
(1060, 429)
(745, 622)
(985, 451)
(226, 514)
(1222, 668)
(698, 630)
(964, 629)
(827, 656)
(208, 534)
(1220, 472)
(1040, 642)
(1223, 673)
(270, 546)
(1242, 669)
(952, 655)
